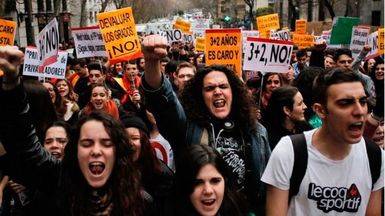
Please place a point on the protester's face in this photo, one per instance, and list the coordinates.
(217, 94)
(191, 60)
(379, 72)
(96, 77)
(163, 66)
(329, 62)
(200, 59)
(346, 111)
(118, 67)
(81, 71)
(378, 136)
(302, 60)
(142, 63)
(134, 135)
(99, 97)
(371, 63)
(299, 107)
(131, 71)
(209, 190)
(51, 92)
(272, 83)
(96, 153)
(290, 74)
(185, 74)
(63, 88)
(344, 61)
(55, 141)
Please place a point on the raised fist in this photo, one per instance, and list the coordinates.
(154, 47)
(10, 59)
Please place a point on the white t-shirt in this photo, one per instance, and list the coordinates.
(329, 187)
(163, 151)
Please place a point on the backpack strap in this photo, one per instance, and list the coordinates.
(374, 156)
(300, 163)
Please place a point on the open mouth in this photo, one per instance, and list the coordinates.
(219, 103)
(96, 168)
(357, 126)
(56, 154)
(208, 202)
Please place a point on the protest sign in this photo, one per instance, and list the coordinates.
(372, 42)
(267, 55)
(300, 26)
(224, 46)
(54, 70)
(303, 40)
(199, 27)
(359, 38)
(88, 42)
(188, 38)
(380, 41)
(200, 44)
(326, 36)
(47, 43)
(7, 32)
(280, 35)
(342, 29)
(119, 34)
(246, 34)
(173, 35)
(182, 25)
(267, 23)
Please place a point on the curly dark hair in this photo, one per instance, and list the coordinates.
(124, 183)
(242, 109)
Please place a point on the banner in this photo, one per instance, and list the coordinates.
(7, 32)
(88, 42)
(224, 46)
(380, 41)
(182, 25)
(303, 40)
(200, 44)
(267, 23)
(300, 26)
(267, 55)
(359, 38)
(372, 42)
(119, 34)
(54, 70)
(342, 29)
(47, 43)
(280, 35)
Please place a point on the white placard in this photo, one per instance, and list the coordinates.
(188, 38)
(372, 42)
(173, 35)
(283, 35)
(359, 39)
(326, 36)
(54, 70)
(47, 42)
(88, 42)
(267, 55)
(246, 34)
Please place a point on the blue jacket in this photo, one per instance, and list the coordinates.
(180, 132)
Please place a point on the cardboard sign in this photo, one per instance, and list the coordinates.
(267, 55)
(224, 46)
(188, 38)
(280, 35)
(342, 29)
(54, 70)
(47, 43)
(88, 42)
(303, 40)
(119, 34)
(246, 34)
(182, 25)
(173, 35)
(372, 42)
(267, 23)
(200, 44)
(7, 32)
(300, 26)
(359, 38)
(380, 41)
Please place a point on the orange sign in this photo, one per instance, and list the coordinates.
(200, 44)
(7, 32)
(267, 23)
(300, 26)
(182, 25)
(381, 41)
(119, 34)
(303, 40)
(224, 46)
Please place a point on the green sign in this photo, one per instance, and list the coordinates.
(342, 29)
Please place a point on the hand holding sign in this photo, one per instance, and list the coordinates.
(154, 47)
(10, 59)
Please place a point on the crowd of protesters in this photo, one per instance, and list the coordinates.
(165, 134)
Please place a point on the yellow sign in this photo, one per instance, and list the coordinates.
(224, 46)
(119, 34)
(200, 44)
(267, 23)
(303, 40)
(7, 32)
(300, 26)
(182, 25)
(381, 41)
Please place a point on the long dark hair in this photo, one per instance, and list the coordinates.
(242, 110)
(197, 156)
(123, 184)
